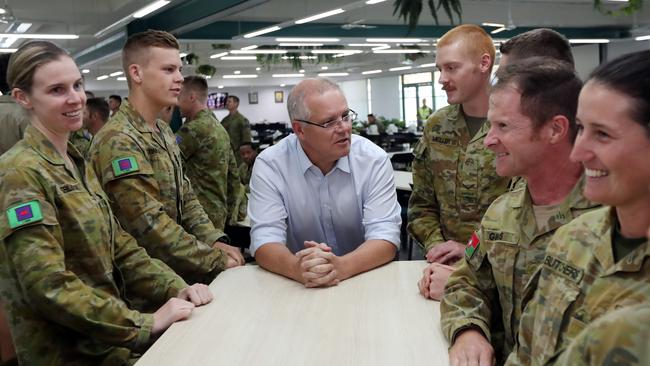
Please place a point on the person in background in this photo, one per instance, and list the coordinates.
(532, 116)
(65, 263)
(600, 261)
(323, 205)
(237, 126)
(378, 128)
(13, 119)
(95, 116)
(424, 112)
(114, 103)
(166, 114)
(140, 167)
(207, 156)
(248, 155)
(454, 176)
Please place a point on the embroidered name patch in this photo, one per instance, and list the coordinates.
(123, 166)
(562, 268)
(24, 214)
(472, 246)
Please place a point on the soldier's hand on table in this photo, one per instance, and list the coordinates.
(234, 254)
(471, 348)
(175, 309)
(448, 252)
(198, 294)
(433, 281)
(316, 265)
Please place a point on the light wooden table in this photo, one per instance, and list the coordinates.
(259, 318)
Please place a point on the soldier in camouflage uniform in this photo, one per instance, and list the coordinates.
(454, 180)
(485, 291)
(13, 118)
(236, 125)
(81, 139)
(599, 261)
(619, 338)
(209, 162)
(248, 155)
(139, 165)
(66, 266)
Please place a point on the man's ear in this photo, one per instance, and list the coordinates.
(21, 98)
(135, 73)
(558, 128)
(485, 63)
(297, 128)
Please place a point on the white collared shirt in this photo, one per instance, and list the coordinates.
(291, 201)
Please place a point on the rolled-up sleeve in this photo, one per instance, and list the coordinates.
(381, 211)
(266, 210)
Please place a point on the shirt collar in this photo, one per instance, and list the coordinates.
(44, 147)
(135, 118)
(304, 162)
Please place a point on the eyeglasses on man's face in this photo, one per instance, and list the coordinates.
(348, 117)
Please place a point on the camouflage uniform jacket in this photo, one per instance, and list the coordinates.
(619, 338)
(488, 284)
(66, 266)
(13, 122)
(245, 174)
(141, 171)
(81, 139)
(239, 131)
(454, 180)
(577, 283)
(211, 166)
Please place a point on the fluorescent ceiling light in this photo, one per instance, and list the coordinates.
(428, 65)
(261, 31)
(299, 57)
(287, 75)
(238, 58)
(220, 87)
(208, 77)
(498, 25)
(103, 77)
(237, 72)
(240, 76)
(258, 52)
(39, 36)
(23, 27)
(116, 73)
(8, 50)
(370, 2)
(366, 45)
(121, 78)
(395, 40)
(382, 47)
(8, 42)
(217, 55)
(301, 71)
(324, 67)
(400, 68)
(587, 40)
(371, 72)
(300, 44)
(85, 71)
(299, 39)
(182, 54)
(258, 68)
(498, 30)
(642, 38)
(150, 8)
(2, 11)
(251, 47)
(342, 50)
(400, 51)
(320, 16)
(424, 44)
(333, 74)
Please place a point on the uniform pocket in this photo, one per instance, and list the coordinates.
(553, 319)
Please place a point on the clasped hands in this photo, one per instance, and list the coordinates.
(318, 266)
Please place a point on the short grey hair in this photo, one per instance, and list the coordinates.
(296, 100)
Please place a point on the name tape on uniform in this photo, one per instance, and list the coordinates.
(24, 214)
(125, 165)
(563, 268)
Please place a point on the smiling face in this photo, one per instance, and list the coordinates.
(324, 146)
(57, 97)
(512, 135)
(462, 75)
(613, 148)
(159, 74)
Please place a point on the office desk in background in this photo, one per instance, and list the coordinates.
(259, 318)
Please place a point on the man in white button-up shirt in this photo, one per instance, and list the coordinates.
(322, 202)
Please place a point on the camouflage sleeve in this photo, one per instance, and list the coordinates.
(37, 257)
(186, 142)
(236, 190)
(135, 204)
(245, 132)
(145, 277)
(196, 221)
(521, 352)
(471, 298)
(423, 209)
(617, 338)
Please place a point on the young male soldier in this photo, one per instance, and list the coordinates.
(140, 166)
(209, 161)
(95, 116)
(532, 115)
(236, 125)
(248, 154)
(454, 180)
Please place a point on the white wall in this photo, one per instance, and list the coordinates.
(266, 108)
(616, 49)
(586, 59)
(356, 92)
(385, 97)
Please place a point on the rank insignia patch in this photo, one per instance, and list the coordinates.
(24, 213)
(125, 165)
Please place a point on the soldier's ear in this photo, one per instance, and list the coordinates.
(558, 128)
(135, 73)
(21, 98)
